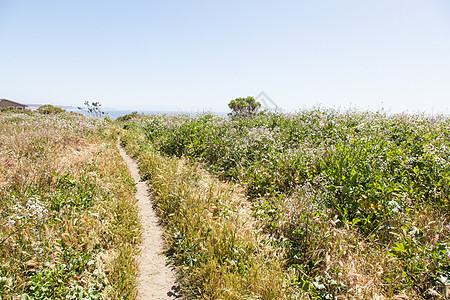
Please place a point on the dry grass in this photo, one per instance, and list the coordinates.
(68, 225)
(210, 233)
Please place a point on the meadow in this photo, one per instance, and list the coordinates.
(320, 204)
(69, 227)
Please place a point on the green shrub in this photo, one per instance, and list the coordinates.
(50, 109)
(368, 175)
(128, 117)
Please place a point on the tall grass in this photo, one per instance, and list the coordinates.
(68, 221)
(358, 201)
(209, 231)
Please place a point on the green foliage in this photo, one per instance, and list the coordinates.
(50, 109)
(59, 282)
(128, 117)
(371, 173)
(244, 107)
(79, 194)
(423, 267)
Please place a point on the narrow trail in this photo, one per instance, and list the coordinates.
(155, 279)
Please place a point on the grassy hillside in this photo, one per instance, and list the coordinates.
(68, 221)
(349, 204)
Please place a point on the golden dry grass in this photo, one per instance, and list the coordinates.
(210, 233)
(68, 225)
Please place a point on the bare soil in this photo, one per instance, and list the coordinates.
(156, 280)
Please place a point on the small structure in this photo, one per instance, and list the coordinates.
(11, 104)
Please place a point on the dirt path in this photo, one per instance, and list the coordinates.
(155, 280)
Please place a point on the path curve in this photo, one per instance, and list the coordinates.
(155, 280)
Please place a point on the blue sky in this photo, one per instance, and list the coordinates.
(198, 55)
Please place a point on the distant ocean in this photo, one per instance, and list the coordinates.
(114, 114)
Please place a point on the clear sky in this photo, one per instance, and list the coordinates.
(199, 55)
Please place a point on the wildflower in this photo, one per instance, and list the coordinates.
(434, 293)
(395, 206)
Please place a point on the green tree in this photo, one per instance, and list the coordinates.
(244, 107)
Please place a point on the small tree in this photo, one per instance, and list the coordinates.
(244, 107)
(93, 108)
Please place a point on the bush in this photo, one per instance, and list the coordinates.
(50, 109)
(128, 117)
(364, 179)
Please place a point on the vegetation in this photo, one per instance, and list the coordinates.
(244, 107)
(315, 205)
(209, 231)
(350, 204)
(50, 109)
(93, 108)
(68, 221)
(9, 109)
(128, 117)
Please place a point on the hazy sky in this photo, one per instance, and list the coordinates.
(198, 55)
